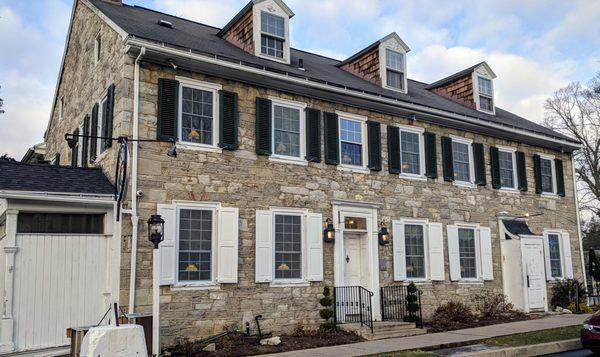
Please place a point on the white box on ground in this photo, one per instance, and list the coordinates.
(119, 341)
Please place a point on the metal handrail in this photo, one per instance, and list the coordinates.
(353, 304)
(394, 304)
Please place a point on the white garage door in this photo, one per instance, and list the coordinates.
(60, 282)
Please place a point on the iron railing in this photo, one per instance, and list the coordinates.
(353, 304)
(394, 305)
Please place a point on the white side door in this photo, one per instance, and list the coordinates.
(535, 278)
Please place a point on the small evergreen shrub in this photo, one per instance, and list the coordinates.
(412, 303)
(327, 313)
(563, 293)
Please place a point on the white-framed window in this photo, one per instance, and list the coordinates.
(272, 35)
(81, 156)
(198, 122)
(418, 250)
(470, 252)
(557, 253)
(394, 69)
(289, 246)
(97, 48)
(412, 152)
(61, 108)
(486, 94)
(353, 141)
(548, 174)
(507, 163)
(288, 130)
(102, 108)
(200, 247)
(462, 161)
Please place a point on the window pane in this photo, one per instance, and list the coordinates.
(60, 223)
(466, 247)
(286, 125)
(485, 86)
(485, 103)
(460, 156)
(355, 223)
(415, 251)
(505, 160)
(409, 148)
(271, 24)
(546, 170)
(394, 60)
(288, 247)
(395, 79)
(351, 142)
(271, 46)
(195, 245)
(197, 116)
(555, 262)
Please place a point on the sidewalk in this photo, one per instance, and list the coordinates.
(438, 340)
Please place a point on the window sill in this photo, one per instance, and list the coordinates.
(549, 195)
(464, 184)
(416, 282)
(509, 190)
(413, 177)
(288, 160)
(470, 282)
(184, 287)
(288, 283)
(198, 147)
(356, 169)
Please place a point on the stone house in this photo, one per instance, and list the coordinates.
(274, 144)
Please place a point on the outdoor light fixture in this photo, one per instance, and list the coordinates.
(329, 232)
(384, 235)
(71, 141)
(156, 227)
(173, 150)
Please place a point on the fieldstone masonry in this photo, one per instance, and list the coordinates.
(250, 182)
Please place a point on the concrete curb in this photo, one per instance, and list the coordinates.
(531, 350)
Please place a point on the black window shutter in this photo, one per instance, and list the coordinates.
(430, 155)
(479, 164)
(537, 173)
(168, 107)
(74, 149)
(560, 177)
(85, 140)
(313, 135)
(521, 171)
(393, 142)
(448, 164)
(94, 132)
(263, 126)
(108, 123)
(332, 152)
(228, 117)
(374, 136)
(495, 164)
(57, 159)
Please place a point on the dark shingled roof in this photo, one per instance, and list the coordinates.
(517, 227)
(454, 76)
(18, 176)
(142, 23)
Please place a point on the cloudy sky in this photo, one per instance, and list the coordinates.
(534, 46)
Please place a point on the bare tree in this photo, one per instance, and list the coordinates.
(575, 111)
(1, 104)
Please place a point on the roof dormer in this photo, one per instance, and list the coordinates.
(382, 63)
(472, 87)
(262, 28)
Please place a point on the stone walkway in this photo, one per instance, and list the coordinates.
(439, 340)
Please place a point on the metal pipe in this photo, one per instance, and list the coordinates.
(579, 225)
(134, 166)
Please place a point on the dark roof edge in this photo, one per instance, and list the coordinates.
(235, 19)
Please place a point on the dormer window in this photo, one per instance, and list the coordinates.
(272, 36)
(394, 68)
(486, 96)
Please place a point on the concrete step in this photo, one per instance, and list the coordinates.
(384, 329)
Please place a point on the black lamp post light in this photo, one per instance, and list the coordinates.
(329, 232)
(156, 229)
(383, 235)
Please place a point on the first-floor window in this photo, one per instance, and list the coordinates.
(546, 171)
(286, 131)
(467, 253)
(195, 245)
(288, 246)
(461, 161)
(414, 240)
(197, 115)
(351, 142)
(555, 255)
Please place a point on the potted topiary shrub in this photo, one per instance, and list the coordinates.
(412, 303)
(327, 312)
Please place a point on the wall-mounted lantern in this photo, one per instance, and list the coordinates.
(384, 235)
(156, 227)
(329, 232)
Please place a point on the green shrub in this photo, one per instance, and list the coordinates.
(452, 315)
(563, 293)
(492, 305)
(412, 305)
(583, 308)
(327, 313)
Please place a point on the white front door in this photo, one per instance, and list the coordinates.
(353, 260)
(535, 277)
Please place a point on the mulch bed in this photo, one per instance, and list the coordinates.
(237, 344)
(459, 325)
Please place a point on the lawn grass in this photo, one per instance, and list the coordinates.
(532, 338)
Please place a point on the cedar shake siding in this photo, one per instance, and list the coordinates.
(460, 90)
(366, 66)
(240, 33)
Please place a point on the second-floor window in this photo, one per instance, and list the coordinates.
(461, 157)
(287, 130)
(61, 108)
(546, 173)
(197, 118)
(272, 36)
(412, 161)
(506, 162)
(97, 48)
(486, 97)
(351, 142)
(394, 63)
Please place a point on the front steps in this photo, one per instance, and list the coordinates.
(384, 329)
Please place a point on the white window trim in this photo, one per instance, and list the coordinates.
(469, 143)
(475, 227)
(97, 48)
(420, 131)
(559, 233)
(512, 151)
(80, 146)
(383, 67)
(100, 152)
(207, 206)
(554, 193)
(302, 281)
(265, 6)
(205, 86)
(301, 160)
(475, 79)
(365, 150)
(424, 223)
